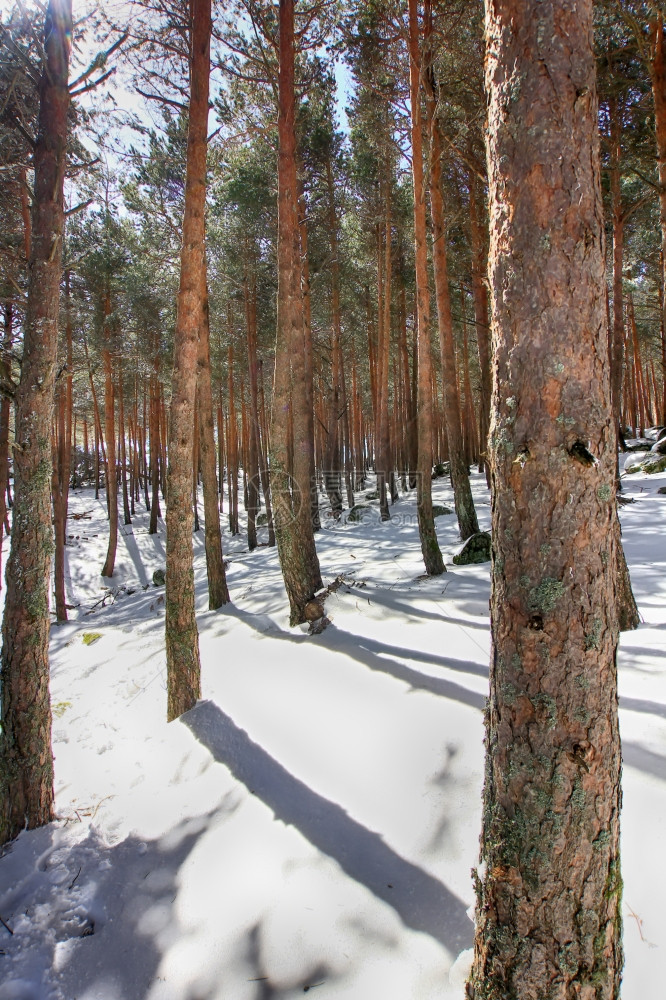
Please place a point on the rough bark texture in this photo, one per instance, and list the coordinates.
(291, 497)
(432, 555)
(182, 637)
(548, 913)
(26, 762)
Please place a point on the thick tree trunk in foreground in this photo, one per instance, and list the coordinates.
(432, 555)
(182, 637)
(548, 914)
(291, 497)
(26, 762)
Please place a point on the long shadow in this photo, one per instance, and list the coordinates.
(384, 649)
(420, 900)
(381, 597)
(363, 652)
(135, 555)
(641, 705)
(634, 755)
(629, 651)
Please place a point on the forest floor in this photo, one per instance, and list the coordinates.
(312, 822)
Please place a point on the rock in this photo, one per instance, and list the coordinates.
(441, 469)
(357, 513)
(475, 550)
(439, 511)
(261, 519)
(159, 577)
(655, 464)
(634, 460)
(662, 489)
(372, 495)
(313, 611)
(659, 448)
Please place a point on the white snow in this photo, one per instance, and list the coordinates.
(312, 822)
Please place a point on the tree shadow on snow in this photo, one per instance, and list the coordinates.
(422, 902)
(634, 755)
(100, 910)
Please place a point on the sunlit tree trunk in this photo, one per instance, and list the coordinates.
(26, 761)
(110, 432)
(548, 917)
(462, 493)
(218, 593)
(432, 555)
(182, 637)
(291, 496)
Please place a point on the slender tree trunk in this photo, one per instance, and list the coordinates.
(657, 67)
(59, 492)
(479, 268)
(182, 637)
(291, 499)
(122, 444)
(232, 448)
(155, 450)
(308, 363)
(617, 333)
(462, 493)
(26, 761)
(110, 430)
(333, 450)
(549, 910)
(5, 416)
(432, 555)
(218, 594)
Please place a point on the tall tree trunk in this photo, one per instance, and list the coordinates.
(155, 449)
(232, 449)
(291, 499)
(26, 761)
(479, 268)
(548, 914)
(122, 444)
(334, 419)
(182, 637)
(5, 416)
(110, 431)
(218, 594)
(308, 362)
(462, 493)
(657, 67)
(432, 555)
(617, 333)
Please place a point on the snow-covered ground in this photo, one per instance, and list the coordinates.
(312, 823)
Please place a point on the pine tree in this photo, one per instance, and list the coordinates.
(26, 762)
(548, 913)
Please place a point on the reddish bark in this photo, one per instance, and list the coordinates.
(182, 637)
(291, 415)
(432, 555)
(26, 762)
(548, 914)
